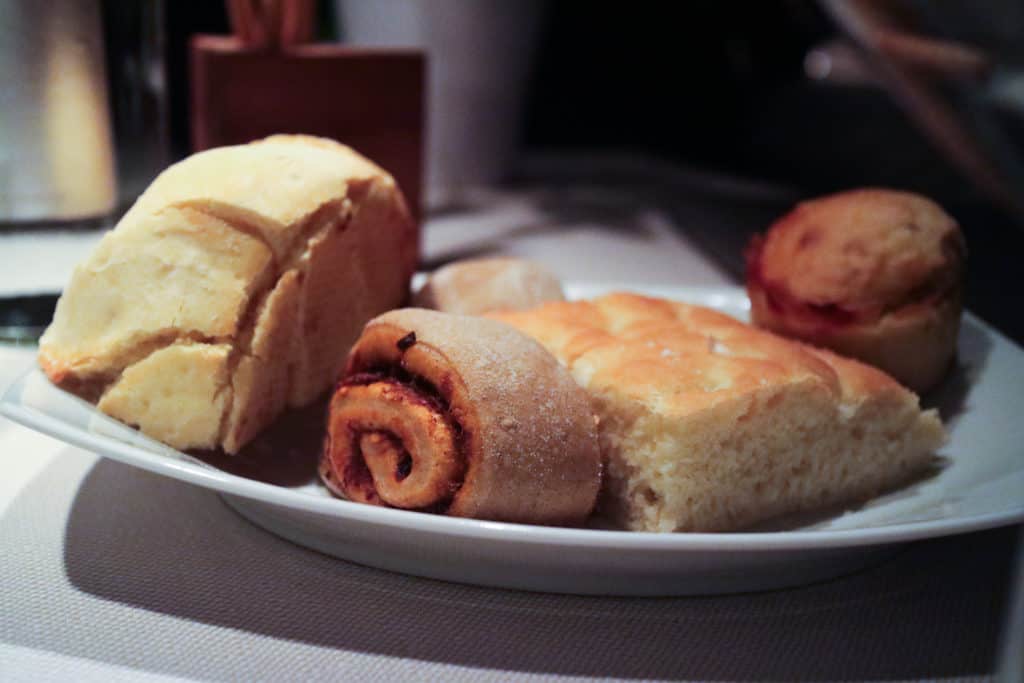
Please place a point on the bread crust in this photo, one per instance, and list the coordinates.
(278, 250)
(874, 274)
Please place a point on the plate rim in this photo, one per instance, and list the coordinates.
(484, 530)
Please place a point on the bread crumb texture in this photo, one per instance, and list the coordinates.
(707, 424)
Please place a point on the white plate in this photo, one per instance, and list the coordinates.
(981, 486)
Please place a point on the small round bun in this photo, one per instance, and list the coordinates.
(874, 274)
(476, 286)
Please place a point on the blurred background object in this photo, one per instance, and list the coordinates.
(268, 77)
(56, 150)
(136, 43)
(480, 53)
(941, 85)
(726, 86)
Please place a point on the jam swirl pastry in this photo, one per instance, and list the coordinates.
(462, 416)
(873, 274)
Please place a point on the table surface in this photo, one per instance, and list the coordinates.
(112, 573)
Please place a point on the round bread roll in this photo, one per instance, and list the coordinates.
(463, 416)
(477, 286)
(873, 274)
(232, 289)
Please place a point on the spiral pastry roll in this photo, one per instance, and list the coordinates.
(463, 416)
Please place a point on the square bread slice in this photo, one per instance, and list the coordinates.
(708, 424)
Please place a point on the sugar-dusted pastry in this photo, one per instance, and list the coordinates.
(233, 288)
(463, 416)
(475, 286)
(873, 274)
(707, 424)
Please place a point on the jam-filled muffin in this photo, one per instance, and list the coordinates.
(874, 274)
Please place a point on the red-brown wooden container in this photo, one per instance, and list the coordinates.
(368, 98)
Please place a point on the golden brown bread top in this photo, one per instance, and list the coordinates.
(707, 424)
(863, 250)
(677, 358)
(207, 235)
(266, 187)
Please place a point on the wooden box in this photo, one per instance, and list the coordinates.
(370, 99)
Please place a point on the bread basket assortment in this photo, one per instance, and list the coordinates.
(253, 280)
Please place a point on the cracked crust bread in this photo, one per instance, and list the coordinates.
(873, 274)
(233, 289)
(708, 424)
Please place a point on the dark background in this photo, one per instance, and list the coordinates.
(716, 85)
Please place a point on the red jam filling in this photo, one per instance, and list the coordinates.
(783, 303)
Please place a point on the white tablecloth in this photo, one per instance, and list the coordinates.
(111, 573)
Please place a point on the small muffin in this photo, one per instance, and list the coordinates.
(873, 274)
(476, 286)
